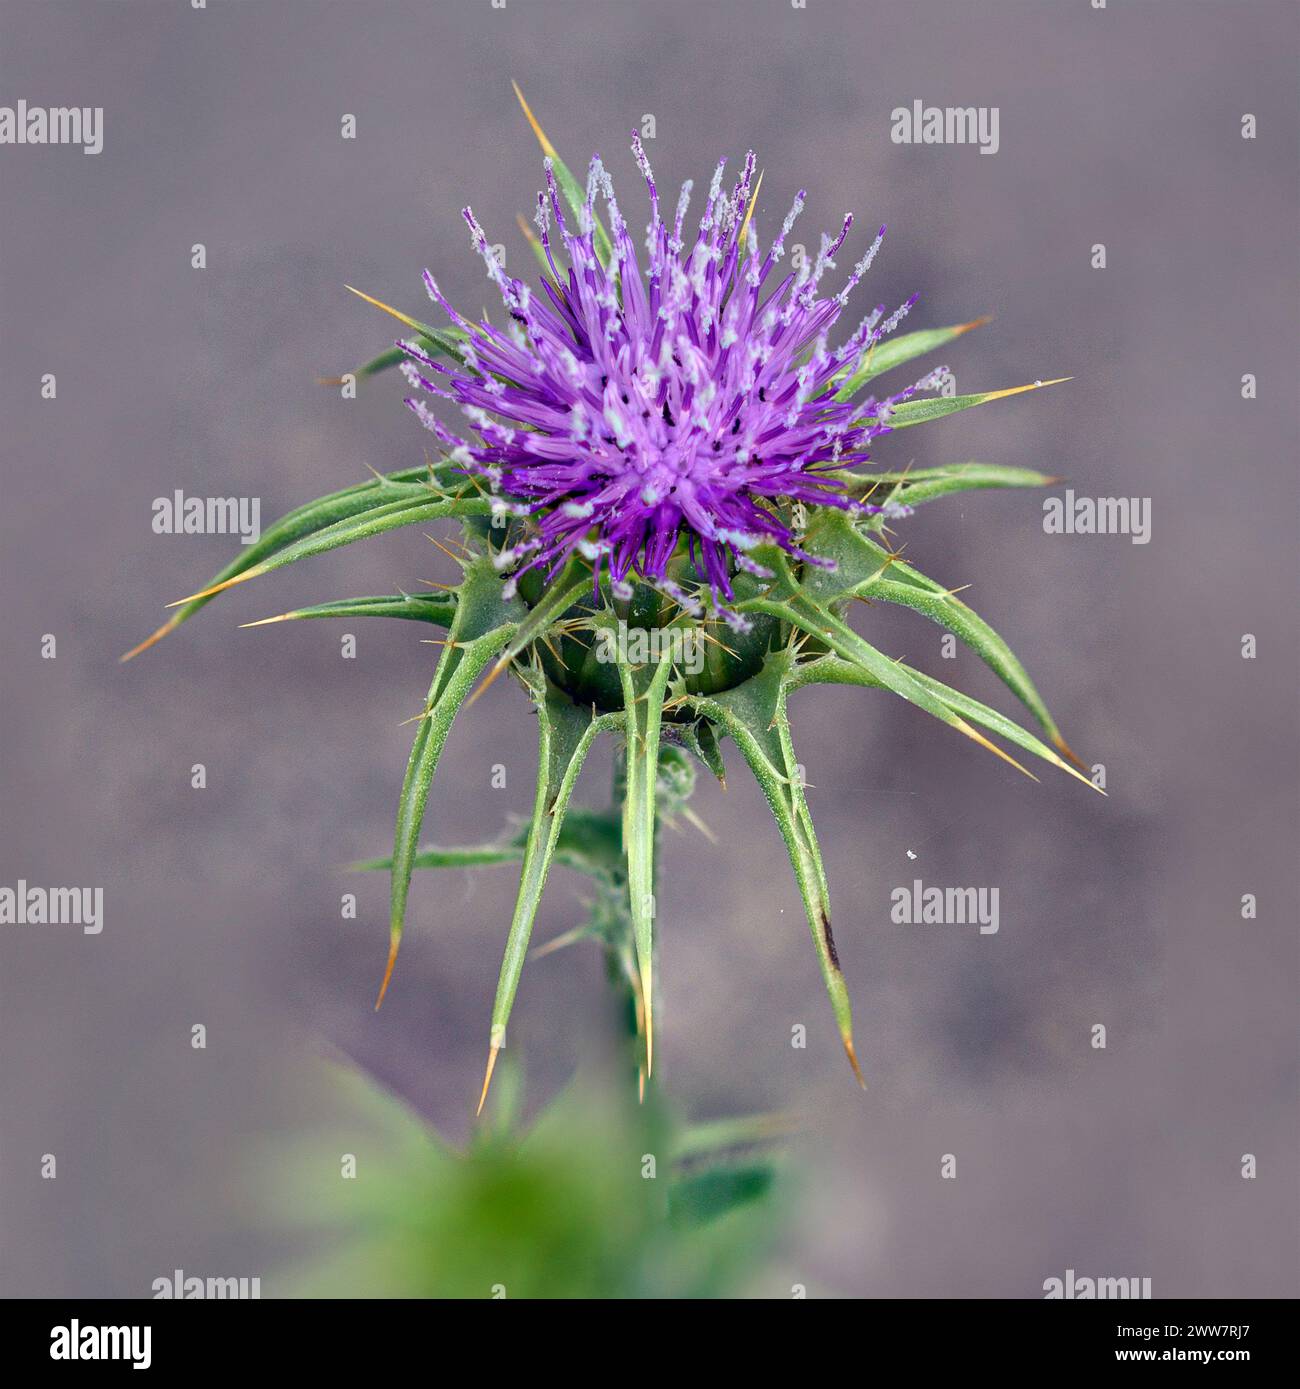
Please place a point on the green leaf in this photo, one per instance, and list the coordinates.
(754, 716)
(893, 352)
(698, 1198)
(865, 569)
(484, 622)
(912, 412)
(926, 484)
(827, 627)
(565, 735)
(376, 521)
(713, 1137)
(390, 357)
(435, 608)
(831, 670)
(589, 842)
(643, 700)
(407, 484)
(969, 628)
(433, 342)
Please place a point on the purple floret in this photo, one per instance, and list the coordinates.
(625, 411)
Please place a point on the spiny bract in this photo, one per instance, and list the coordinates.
(676, 453)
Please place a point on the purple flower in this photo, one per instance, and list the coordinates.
(626, 412)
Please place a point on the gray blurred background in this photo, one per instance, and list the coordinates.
(222, 126)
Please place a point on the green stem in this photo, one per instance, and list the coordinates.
(619, 953)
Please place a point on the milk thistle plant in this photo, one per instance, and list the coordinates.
(658, 452)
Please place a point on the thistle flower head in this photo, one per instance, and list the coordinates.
(629, 410)
(676, 418)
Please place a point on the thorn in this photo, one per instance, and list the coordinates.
(528, 232)
(853, 1059)
(388, 969)
(646, 988)
(487, 1077)
(169, 625)
(709, 637)
(1079, 776)
(1061, 746)
(640, 1085)
(548, 149)
(559, 942)
(266, 621)
(397, 313)
(753, 203)
(1019, 390)
(451, 554)
(252, 573)
(974, 323)
(462, 547)
(503, 663)
(992, 747)
(692, 818)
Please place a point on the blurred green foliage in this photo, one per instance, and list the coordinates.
(598, 1198)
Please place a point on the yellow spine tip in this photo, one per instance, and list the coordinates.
(170, 625)
(548, 149)
(266, 621)
(1020, 390)
(496, 670)
(487, 1078)
(221, 587)
(753, 203)
(992, 747)
(649, 1027)
(1068, 752)
(853, 1060)
(388, 969)
(387, 308)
